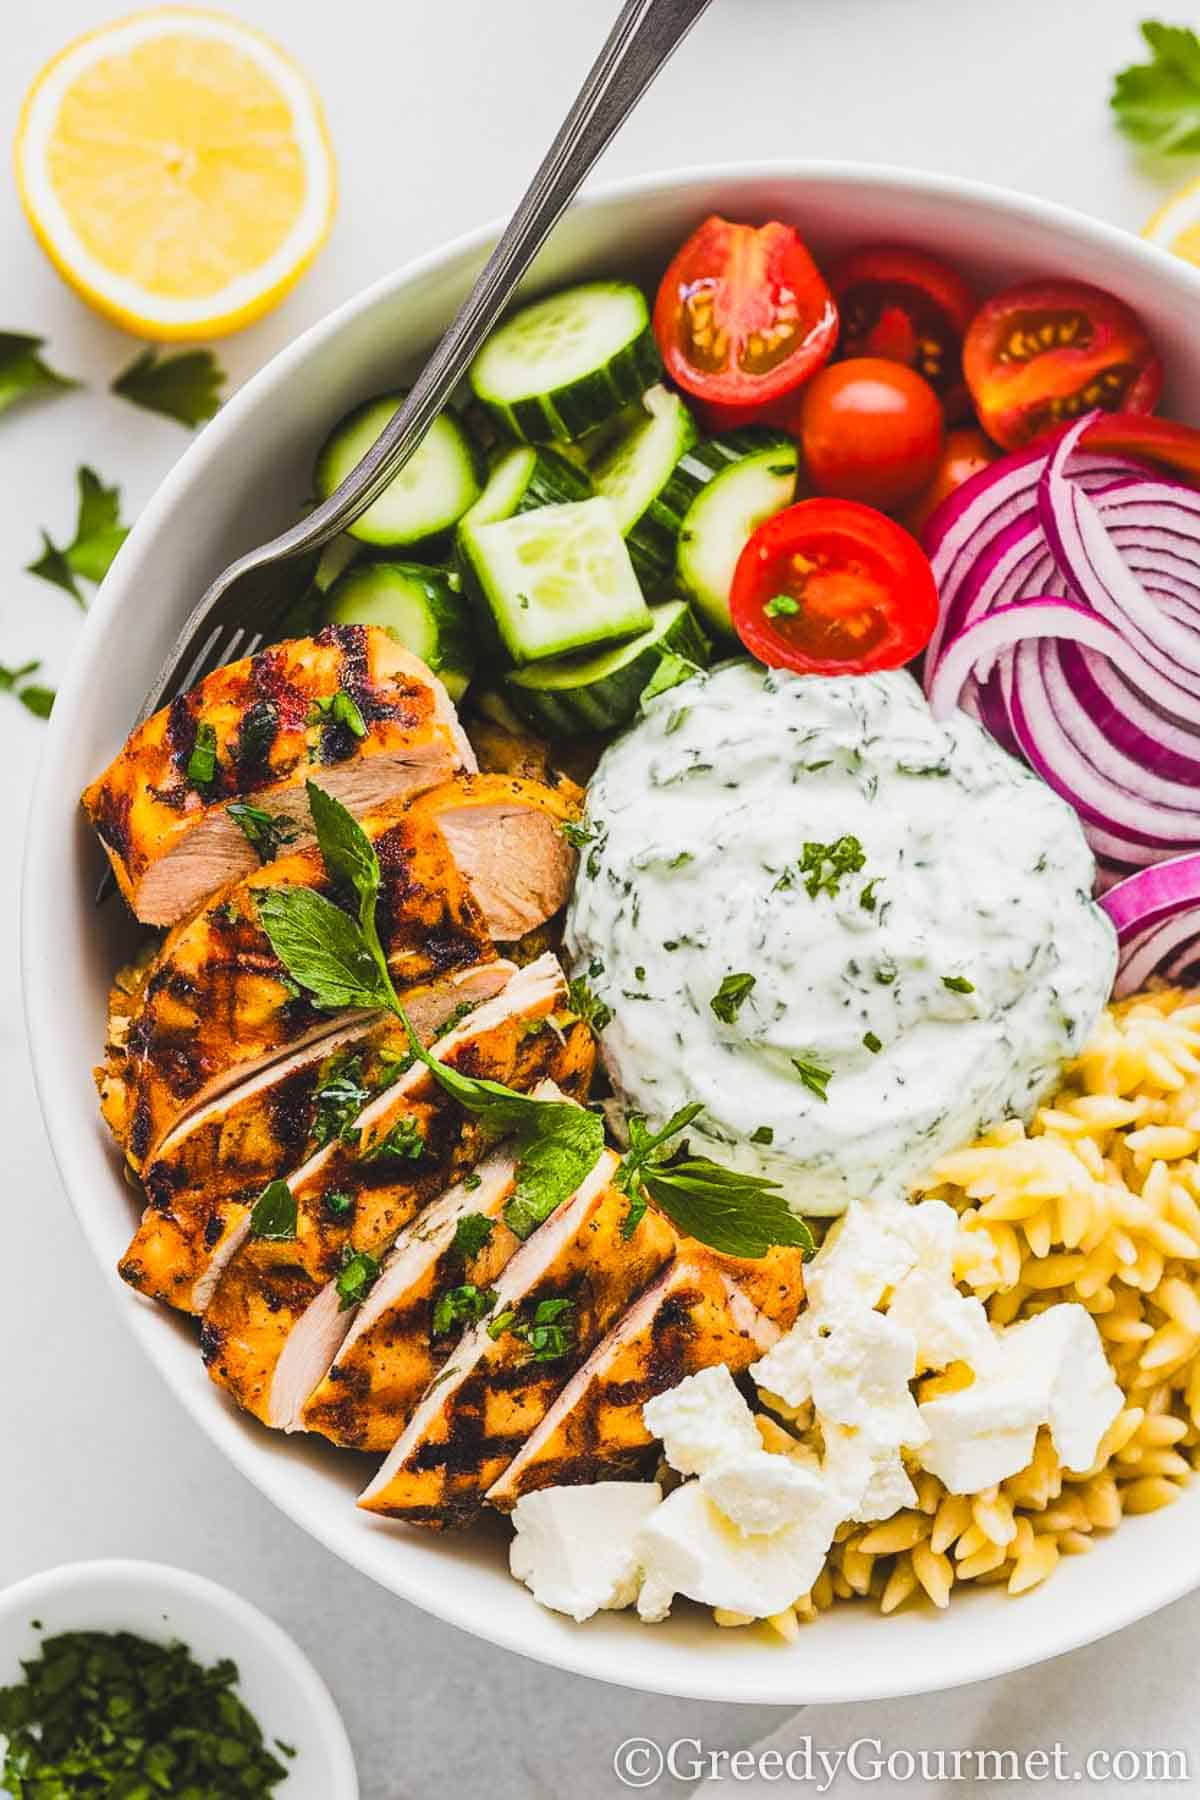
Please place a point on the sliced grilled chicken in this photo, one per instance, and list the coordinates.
(264, 1289)
(574, 1277)
(218, 1005)
(213, 1166)
(396, 1345)
(696, 1314)
(253, 731)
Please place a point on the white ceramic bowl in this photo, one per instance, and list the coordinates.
(275, 1678)
(243, 478)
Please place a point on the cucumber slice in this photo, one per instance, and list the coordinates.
(637, 471)
(335, 559)
(741, 485)
(555, 579)
(601, 692)
(423, 608)
(562, 365)
(528, 477)
(429, 495)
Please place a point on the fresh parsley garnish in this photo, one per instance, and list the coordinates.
(201, 765)
(341, 963)
(825, 865)
(958, 984)
(671, 671)
(464, 1305)
(273, 1215)
(338, 709)
(110, 1713)
(358, 1274)
(781, 606)
(588, 1005)
(267, 832)
(339, 1205)
(472, 1233)
(815, 1078)
(577, 832)
(404, 1139)
(99, 534)
(33, 696)
(185, 385)
(1157, 103)
(339, 1100)
(548, 1330)
(729, 998)
(23, 374)
(737, 1214)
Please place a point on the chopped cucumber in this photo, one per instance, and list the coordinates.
(601, 692)
(564, 364)
(526, 477)
(635, 474)
(742, 479)
(422, 607)
(335, 559)
(555, 579)
(429, 495)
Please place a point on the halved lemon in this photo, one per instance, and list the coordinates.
(176, 167)
(1176, 226)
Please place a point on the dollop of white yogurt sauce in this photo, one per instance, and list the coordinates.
(939, 989)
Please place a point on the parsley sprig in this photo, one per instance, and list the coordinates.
(185, 385)
(34, 697)
(23, 374)
(99, 534)
(1157, 103)
(824, 866)
(738, 1214)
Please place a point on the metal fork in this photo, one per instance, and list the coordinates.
(248, 600)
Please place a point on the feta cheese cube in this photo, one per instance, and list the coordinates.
(762, 1491)
(947, 1326)
(861, 1259)
(702, 1421)
(1062, 1348)
(861, 1372)
(574, 1545)
(687, 1546)
(868, 1477)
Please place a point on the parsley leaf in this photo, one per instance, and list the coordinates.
(728, 1000)
(33, 696)
(1158, 103)
(338, 709)
(358, 1275)
(577, 832)
(670, 672)
(737, 1214)
(267, 832)
(472, 1233)
(781, 606)
(958, 984)
(322, 949)
(589, 1006)
(339, 1100)
(99, 534)
(403, 1140)
(273, 1215)
(185, 385)
(824, 865)
(815, 1078)
(464, 1305)
(201, 766)
(22, 371)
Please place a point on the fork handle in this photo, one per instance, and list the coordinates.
(641, 41)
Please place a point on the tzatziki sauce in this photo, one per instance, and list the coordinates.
(857, 936)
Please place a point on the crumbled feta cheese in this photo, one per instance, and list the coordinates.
(1049, 1370)
(702, 1421)
(687, 1546)
(574, 1545)
(861, 1375)
(762, 1491)
(868, 1476)
(863, 1257)
(947, 1326)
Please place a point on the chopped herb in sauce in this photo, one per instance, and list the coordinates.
(762, 1134)
(588, 1005)
(577, 832)
(868, 899)
(815, 1078)
(824, 866)
(958, 984)
(874, 1044)
(729, 998)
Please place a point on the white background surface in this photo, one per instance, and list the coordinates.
(438, 112)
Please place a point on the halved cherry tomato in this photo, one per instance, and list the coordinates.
(871, 430)
(909, 307)
(964, 453)
(1163, 441)
(743, 315)
(829, 587)
(1040, 354)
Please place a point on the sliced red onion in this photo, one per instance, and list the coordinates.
(975, 650)
(1154, 894)
(1156, 913)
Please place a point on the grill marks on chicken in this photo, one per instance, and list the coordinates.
(211, 1168)
(265, 1289)
(218, 1004)
(349, 707)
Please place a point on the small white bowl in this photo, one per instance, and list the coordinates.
(276, 1679)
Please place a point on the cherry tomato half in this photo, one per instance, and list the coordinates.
(1042, 353)
(964, 453)
(909, 307)
(830, 587)
(743, 315)
(1164, 441)
(870, 429)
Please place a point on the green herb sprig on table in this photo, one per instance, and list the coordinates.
(111, 1713)
(99, 534)
(33, 696)
(23, 374)
(1157, 103)
(185, 385)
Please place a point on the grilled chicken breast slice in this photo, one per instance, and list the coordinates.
(218, 1004)
(269, 721)
(696, 1314)
(495, 1389)
(394, 1348)
(211, 1168)
(265, 1289)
